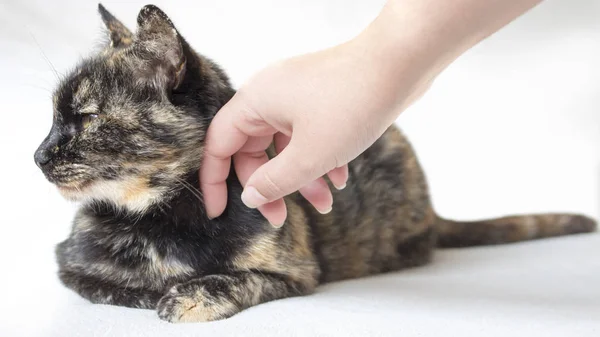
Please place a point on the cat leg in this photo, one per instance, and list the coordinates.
(215, 297)
(101, 292)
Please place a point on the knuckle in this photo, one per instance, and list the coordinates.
(249, 116)
(273, 189)
(306, 169)
(256, 154)
(329, 165)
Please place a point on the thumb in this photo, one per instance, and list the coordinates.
(289, 171)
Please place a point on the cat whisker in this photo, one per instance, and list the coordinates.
(160, 207)
(190, 188)
(139, 217)
(45, 56)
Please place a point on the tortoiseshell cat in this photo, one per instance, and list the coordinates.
(127, 141)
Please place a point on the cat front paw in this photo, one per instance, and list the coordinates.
(197, 301)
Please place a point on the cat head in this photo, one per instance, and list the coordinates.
(129, 121)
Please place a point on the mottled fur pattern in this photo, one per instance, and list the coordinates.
(127, 142)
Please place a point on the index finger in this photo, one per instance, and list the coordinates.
(223, 139)
(229, 130)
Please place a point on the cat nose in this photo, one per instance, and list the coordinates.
(42, 157)
(46, 151)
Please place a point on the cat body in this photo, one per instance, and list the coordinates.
(127, 142)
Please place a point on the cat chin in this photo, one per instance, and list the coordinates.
(73, 192)
(131, 193)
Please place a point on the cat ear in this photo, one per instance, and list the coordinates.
(159, 43)
(120, 36)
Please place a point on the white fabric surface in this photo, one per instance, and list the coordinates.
(540, 288)
(511, 127)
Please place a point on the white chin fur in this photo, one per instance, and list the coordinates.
(132, 194)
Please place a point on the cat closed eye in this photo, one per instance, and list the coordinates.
(87, 119)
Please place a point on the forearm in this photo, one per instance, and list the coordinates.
(417, 39)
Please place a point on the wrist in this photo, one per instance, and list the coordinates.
(403, 40)
(417, 39)
(402, 62)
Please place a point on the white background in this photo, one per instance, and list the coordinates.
(513, 126)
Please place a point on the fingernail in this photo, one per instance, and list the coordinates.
(325, 211)
(276, 225)
(340, 187)
(252, 198)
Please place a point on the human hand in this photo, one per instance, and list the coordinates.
(323, 109)
(320, 110)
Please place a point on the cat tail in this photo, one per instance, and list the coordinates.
(510, 229)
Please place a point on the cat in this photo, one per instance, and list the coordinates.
(127, 141)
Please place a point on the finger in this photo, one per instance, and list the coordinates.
(225, 136)
(255, 144)
(281, 141)
(213, 173)
(250, 157)
(246, 163)
(317, 193)
(286, 173)
(339, 177)
(275, 212)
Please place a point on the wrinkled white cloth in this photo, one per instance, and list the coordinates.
(544, 288)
